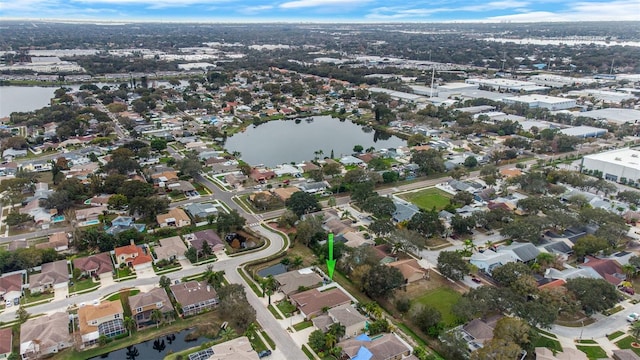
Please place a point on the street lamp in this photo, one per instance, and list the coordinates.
(581, 329)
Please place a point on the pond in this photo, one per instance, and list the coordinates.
(284, 141)
(156, 348)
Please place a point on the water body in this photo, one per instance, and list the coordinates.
(152, 350)
(30, 98)
(566, 42)
(284, 141)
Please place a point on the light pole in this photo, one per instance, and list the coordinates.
(581, 329)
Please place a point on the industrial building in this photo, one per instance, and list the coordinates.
(584, 131)
(612, 115)
(620, 165)
(508, 85)
(542, 101)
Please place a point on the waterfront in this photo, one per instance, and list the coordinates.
(285, 141)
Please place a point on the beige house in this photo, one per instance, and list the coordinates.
(236, 349)
(347, 316)
(312, 303)
(144, 304)
(170, 248)
(95, 265)
(290, 282)
(175, 217)
(52, 275)
(106, 318)
(194, 297)
(57, 241)
(92, 213)
(45, 335)
(410, 269)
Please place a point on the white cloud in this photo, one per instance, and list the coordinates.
(316, 3)
(255, 9)
(622, 10)
(153, 3)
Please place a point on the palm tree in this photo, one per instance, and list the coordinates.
(156, 316)
(130, 325)
(297, 262)
(331, 340)
(373, 310)
(215, 278)
(338, 330)
(269, 285)
(227, 333)
(252, 328)
(170, 316)
(629, 270)
(469, 246)
(635, 330)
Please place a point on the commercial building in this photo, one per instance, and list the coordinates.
(507, 84)
(542, 101)
(584, 131)
(612, 115)
(621, 165)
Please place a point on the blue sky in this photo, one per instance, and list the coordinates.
(323, 10)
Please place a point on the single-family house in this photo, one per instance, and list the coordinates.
(197, 238)
(10, 154)
(347, 316)
(11, 287)
(176, 217)
(624, 354)
(355, 239)
(57, 241)
(98, 265)
(45, 335)
(194, 297)
(165, 176)
(144, 304)
(134, 256)
(100, 200)
(313, 187)
(404, 211)
(172, 248)
(6, 338)
(522, 252)
(261, 175)
(237, 349)
(350, 161)
(53, 275)
(91, 214)
(284, 193)
(488, 260)
(608, 269)
(312, 302)
(292, 281)
(410, 268)
(104, 319)
(123, 223)
(201, 210)
(386, 346)
(478, 332)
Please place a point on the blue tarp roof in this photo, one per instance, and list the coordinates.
(363, 354)
(363, 337)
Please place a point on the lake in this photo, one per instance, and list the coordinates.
(150, 351)
(30, 98)
(283, 141)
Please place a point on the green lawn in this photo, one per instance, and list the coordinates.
(286, 307)
(82, 285)
(626, 344)
(615, 335)
(116, 296)
(587, 341)
(550, 344)
(29, 297)
(429, 198)
(302, 325)
(257, 343)
(274, 312)
(593, 352)
(442, 299)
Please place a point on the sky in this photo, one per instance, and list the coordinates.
(374, 11)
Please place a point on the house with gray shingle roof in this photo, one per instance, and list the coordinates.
(523, 252)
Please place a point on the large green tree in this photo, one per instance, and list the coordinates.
(452, 265)
(381, 280)
(594, 294)
(302, 203)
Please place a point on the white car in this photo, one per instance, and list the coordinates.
(633, 317)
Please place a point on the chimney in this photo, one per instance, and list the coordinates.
(133, 243)
(208, 288)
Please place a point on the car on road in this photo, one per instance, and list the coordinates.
(633, 317)
(264, 353)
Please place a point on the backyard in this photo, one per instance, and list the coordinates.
(441, 299)
(428, 199)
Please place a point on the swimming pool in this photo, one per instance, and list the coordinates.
(90, 222)
(57, 219)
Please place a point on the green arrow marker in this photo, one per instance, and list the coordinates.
(331, 264)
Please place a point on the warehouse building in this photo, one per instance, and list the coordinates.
(542, 101)
(584, 131)
(620, 165)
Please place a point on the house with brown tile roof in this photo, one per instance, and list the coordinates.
(99, 265)
(262, 174)
(11, 286)
(345, 315)
(134, 256)
(197, 238)
(171, 248)
(144, 304)
(104, 319)
(53, 275)
(291, 281)
(100, 200)
(57, 241)
(194, 297)
(45, 335)
(385, 347)
(608, 269)
(410, 269)
(284, 193)
(6, 338)
(312, 302)
(565, 354)
(165, 176)
(176, 217)
(236, 349)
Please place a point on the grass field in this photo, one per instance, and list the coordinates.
(626, 344)
(550, 344)
(593, 352)
(615, 335)
(427, 199)
(442, 299)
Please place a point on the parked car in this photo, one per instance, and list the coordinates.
(633, 317)
(476, 280)
(628, 290)
(264, 353)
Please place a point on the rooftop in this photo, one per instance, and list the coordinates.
(192, 292)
